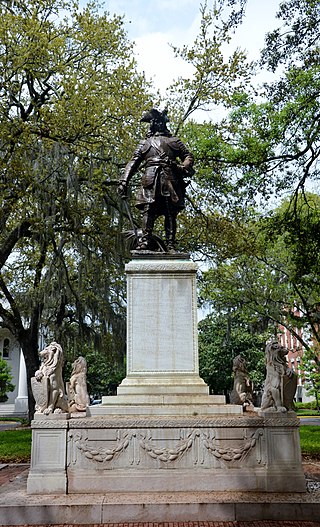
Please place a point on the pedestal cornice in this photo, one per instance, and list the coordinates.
(161, 265)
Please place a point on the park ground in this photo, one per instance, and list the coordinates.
(9, 472)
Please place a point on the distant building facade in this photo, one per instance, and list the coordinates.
(10, 351)
(295, 355)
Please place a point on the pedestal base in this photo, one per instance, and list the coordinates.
(184, 394)
(164, 405)
(21, 405)
(163, 395)
(48, 473)
(163, 432)
(171, 454)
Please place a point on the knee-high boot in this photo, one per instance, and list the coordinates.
(170, 226)
(148, 219)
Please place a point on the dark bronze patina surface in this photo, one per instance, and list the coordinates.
(167, 165)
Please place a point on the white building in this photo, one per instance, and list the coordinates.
(10, 351)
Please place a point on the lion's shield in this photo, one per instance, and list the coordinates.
(40, 390)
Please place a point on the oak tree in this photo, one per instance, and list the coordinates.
(70, 93)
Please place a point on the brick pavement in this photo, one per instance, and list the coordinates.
(256, 523)
(10, 472)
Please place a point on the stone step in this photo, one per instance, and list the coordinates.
(9, 410)
(18, 508)
(163, 399)
(164, 409)
(161, 389)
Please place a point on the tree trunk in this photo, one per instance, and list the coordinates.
(317, 400)
(29, 348)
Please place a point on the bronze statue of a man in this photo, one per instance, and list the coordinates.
(163, 184)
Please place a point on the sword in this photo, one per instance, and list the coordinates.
(127, 208)
(128, 211)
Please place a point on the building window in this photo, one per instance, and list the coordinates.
(6, 348)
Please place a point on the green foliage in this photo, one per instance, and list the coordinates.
(222, 337)
(301, 406)
(268, 144)
(276, 143)
(311, 368)
(104, 374)
(71, 98)
(5, 380)
(15, 446)
(306, 412)
(298, 38)
(274, 282)
(287, 125)
(20, 420)
(290, 241)
(70, 95)
(215, 78)
(104, 369)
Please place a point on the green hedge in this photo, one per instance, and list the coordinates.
(311, 405)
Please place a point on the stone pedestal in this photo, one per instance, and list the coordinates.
(166, 454)
(162, 345)
(163, 454)
(48, 474)
(163, 432)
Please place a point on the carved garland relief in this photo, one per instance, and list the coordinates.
(223, 453)
(100, 454)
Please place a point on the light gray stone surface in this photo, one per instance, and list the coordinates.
(163, 432)
(159, 407)
(162, 318)
(77, 391)
(47, 384)
(48, 457)
(242, 385)
(162, 346)
(176, 454)
(281, 381)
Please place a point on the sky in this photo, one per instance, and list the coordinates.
(155, 24)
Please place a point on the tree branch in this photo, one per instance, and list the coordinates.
(20, 231)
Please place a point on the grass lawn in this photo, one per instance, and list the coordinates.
(310, 440)
(14, 420)
(308, 412)
(15, 445)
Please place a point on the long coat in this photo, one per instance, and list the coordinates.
(163, 176)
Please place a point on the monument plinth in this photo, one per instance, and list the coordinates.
(162, 344)
(163, 432)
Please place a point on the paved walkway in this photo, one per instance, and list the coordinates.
(9, 472)
(199, 524)
(12, 474)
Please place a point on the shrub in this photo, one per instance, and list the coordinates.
(312, 405)
(5, 380)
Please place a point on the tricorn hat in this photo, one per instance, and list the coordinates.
(155, 115)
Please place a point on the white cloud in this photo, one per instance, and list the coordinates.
(154, 25)
(259, 19)
(156, 58)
